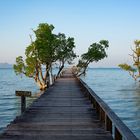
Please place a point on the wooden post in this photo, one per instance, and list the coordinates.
(23, 104)
(108, 124)
(23, 95)
(97, 106)
(48, 84)
(89, 96)
(54, 78)
(93, 102)
(102, 115)
(118, 136)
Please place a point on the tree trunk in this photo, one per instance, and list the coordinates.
(84, 69)
(42, 86)
(50, 79)
(46, 74)
(82, 73)
(61, 68)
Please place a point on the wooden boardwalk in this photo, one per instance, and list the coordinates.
(61, 113)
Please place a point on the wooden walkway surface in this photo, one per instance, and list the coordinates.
(61, 113)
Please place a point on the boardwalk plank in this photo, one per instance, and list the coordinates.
(62, 112)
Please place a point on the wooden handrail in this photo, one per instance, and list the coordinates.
(112, 122)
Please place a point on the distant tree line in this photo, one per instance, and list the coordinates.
(48, 48)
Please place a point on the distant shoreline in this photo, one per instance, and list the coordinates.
(5, 65)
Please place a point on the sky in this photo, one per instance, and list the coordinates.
(88, 21)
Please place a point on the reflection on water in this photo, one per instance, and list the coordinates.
(120, 92)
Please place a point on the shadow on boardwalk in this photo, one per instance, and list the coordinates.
(61, 113)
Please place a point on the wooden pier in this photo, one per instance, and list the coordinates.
(66, 111)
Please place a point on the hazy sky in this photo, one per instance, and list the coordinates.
(87, 21)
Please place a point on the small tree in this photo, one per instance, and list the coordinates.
(64, 51)
(134, 70)
(40, 53)
(96, 52)
(43, 52)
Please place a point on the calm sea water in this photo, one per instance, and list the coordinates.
(120, 92)
(114, 86)
(9, 103)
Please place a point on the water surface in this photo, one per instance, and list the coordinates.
(9, 103)
(120, 92)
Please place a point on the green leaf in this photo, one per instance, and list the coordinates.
(127, 67)
(19, 66)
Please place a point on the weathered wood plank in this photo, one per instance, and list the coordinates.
(61, 113)
(23, 93)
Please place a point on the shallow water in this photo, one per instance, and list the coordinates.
(120, 92)
(9, 103)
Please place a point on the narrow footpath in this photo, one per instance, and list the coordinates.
(61, 113)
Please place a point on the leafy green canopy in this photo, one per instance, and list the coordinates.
(45, 43)
(38, 54)
(96, 52)
(19, 68)
(127, 67)
(65, 50)
(40, 51)
(46, 49)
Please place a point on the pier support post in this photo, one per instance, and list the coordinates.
(108, 124)
(23, 104)
(23, 95)
(118, 136)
